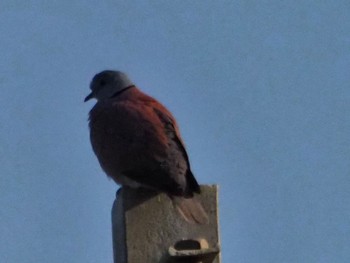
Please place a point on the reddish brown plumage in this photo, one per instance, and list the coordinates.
(128, 135)
(138, 143)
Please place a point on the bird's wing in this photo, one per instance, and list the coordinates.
(173, 133)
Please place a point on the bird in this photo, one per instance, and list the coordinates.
(138, 143)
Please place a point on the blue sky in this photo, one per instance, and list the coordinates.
(260, 90)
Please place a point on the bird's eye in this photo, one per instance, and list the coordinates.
(102, 82)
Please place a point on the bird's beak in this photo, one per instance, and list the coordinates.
(89, 97)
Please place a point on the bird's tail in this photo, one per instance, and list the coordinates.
(191, 210)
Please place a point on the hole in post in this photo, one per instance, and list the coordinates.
(188, 244)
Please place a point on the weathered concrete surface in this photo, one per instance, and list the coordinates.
(146, 224)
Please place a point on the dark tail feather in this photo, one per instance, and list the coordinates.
(191, 210)
(192, 185)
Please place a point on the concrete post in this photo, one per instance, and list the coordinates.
(148, 229)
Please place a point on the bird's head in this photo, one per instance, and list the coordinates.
(107, 83)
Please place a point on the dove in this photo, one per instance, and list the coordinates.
(138, 144)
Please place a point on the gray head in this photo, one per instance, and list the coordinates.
(107, 83)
